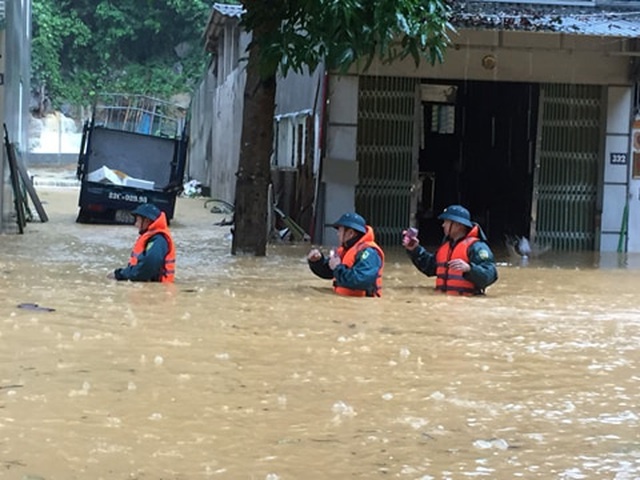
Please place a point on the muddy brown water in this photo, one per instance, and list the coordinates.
(250, 368)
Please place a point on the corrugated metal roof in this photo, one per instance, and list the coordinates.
(614, 21)
(568, 16)
(221, 13)
(228, 10)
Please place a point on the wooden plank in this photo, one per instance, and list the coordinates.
(15, 182)
(31, 190)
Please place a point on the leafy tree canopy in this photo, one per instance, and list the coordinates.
(81, 47)
(298, 33)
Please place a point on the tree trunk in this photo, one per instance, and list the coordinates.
(254, 170)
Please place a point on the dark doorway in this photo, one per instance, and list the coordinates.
(478, 150)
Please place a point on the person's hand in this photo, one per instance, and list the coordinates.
(111, 275)
(334, 260)
(409, 242)
(314, 255)
(459, 264)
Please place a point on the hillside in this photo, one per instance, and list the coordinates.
(82, 48)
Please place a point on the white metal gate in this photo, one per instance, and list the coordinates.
(566, 183)
(386, 153)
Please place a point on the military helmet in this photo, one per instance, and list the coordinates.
(457, 213)
(353, 221)
(147, 210)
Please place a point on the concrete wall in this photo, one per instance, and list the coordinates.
(340, 169)
(17, 77)
(633, 193)
(6, 204)
(524, 57)
(616, 175)
(15, 51)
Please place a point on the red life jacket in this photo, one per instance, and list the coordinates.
(452, 281)
(159, 226)
(348, 258)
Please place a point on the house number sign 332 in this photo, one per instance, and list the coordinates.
(618, 158)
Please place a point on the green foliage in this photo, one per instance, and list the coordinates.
(82, 47)
(297, 33)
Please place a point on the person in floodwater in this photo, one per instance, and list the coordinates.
(464, 263)
(356, 266)
(153, 256)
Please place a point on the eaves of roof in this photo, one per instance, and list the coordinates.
(228, 10)
(220, 13)
(618, 21)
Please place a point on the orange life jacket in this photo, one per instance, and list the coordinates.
(348, 257)
(449, 280)
(159, 226)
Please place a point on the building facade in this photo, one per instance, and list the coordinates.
(530, 122)
(531, 129)
(15, 48)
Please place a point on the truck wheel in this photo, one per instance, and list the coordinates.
(124, 216)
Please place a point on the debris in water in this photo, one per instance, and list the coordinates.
(36, 307)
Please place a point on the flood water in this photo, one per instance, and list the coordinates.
(250, 368)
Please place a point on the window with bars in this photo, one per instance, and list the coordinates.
(290, 139)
